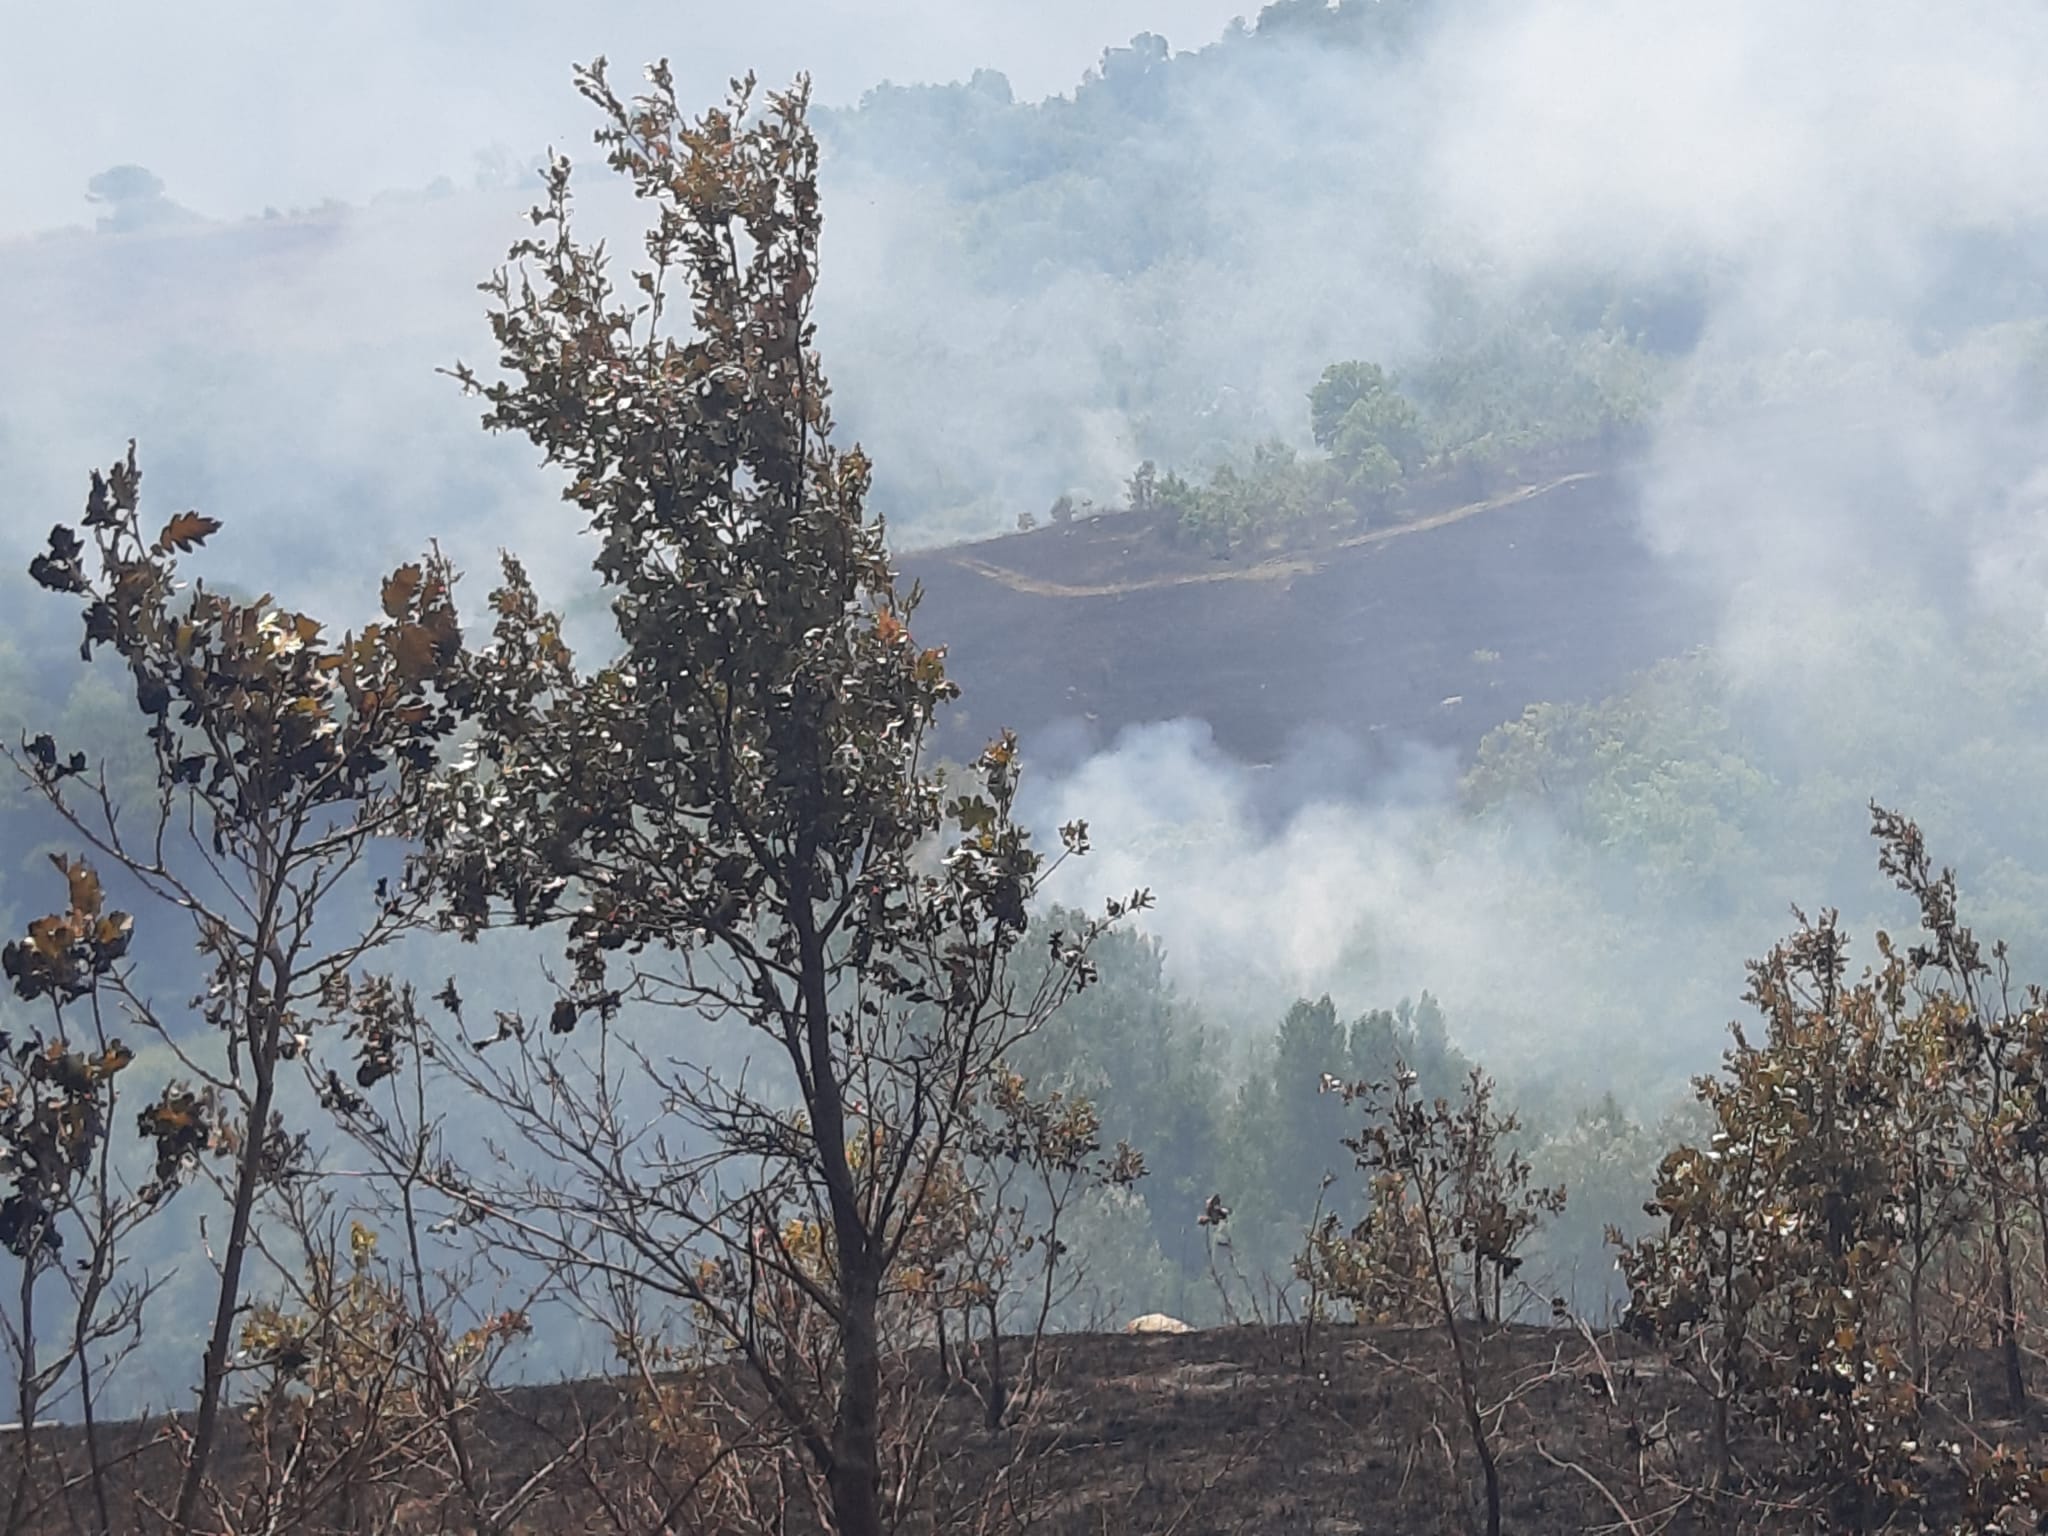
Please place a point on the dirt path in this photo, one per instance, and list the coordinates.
(1265, 570)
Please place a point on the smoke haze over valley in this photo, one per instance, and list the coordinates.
(1833, 228)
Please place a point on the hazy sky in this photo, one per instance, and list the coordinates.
(237, 106)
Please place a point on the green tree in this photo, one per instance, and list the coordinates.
(1382, 426)
(1372, 432)
(1141, 491)
(1306, 1132)
(1356, 408)
(1149, 1064)
(1412, 1034)
(1342, 386)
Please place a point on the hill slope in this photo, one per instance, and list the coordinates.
(1428, 632)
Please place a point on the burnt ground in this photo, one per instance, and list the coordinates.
(1246, 1431)
(1429, 631)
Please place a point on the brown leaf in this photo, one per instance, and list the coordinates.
(85, 885)
(167, 1117)
(446, 629)
(51, 936)
(186, 532)
(113, 933)
(413, 648)
(400, 588)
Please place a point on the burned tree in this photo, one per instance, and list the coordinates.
(734, 821)
(282, 759)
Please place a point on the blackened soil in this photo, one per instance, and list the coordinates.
(1260, 1431)
(1429, 631)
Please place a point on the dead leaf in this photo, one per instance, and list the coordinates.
(400, 588)
(113, 933)
(413, 648)
(51, 936)
(86, 895)
(186, 532)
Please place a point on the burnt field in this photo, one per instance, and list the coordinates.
(1250, 1431)
(1427, 632)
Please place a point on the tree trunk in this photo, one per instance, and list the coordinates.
(2015, 1376)
(1717, 1443)
(856, 1479)
(213, 1380)
(997, 1402)
(2008, 1307)
(1468, 1379)
(24, 1472)
(1916, 1330)
(1488, 1468)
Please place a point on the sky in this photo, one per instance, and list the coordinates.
(239, 107)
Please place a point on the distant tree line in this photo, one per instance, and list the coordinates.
(1465, 425)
